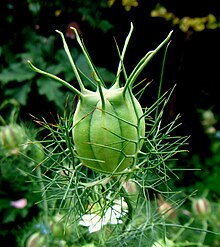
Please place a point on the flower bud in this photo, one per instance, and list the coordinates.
(36, 240)
(12, 139)
(165, 208)
(201, 207)
(130, 187)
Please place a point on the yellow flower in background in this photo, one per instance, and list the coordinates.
(110, 2)
(126, 3)
(129, 3)
(186, 23)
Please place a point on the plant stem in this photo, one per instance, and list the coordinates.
(66, 48)
(179, 233)
(44, 205)
(122, 56)
(203, 234)
(143, 62)
(161, 79)
(61, 81)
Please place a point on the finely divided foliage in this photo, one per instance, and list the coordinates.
(119, 141)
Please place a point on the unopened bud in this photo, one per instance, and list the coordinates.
(165, 208)
(130, 187)
(12, 139)
(201, 207)
(36, 240)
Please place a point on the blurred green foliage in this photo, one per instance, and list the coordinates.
(19, 82)
(23, 40)
(27, 32)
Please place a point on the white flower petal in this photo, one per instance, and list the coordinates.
(94, 222)
(115, 221)
(96, 227)
(107, 216)
(89, 219)
(121, 203)
(114, 216)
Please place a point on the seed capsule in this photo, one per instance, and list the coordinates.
(108, 124)
(107, 139)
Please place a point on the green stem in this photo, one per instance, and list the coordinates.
(102, 97)
(143, 62)
(95, 73)
(122, 56)
(203, 234)
(64, 83)
(71, 61)
(161, 79)
(180, 232)
(94, 70)
(124, 194)
(44, 205)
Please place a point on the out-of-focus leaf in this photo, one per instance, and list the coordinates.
(19, 93)
(4, 202)
(105, 25)
(64, 63)
(56, 69)
(106, 75)
(83, 66)
(52, 91)
(17, 72)
(10, 216)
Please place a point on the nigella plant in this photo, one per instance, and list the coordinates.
(108, 158)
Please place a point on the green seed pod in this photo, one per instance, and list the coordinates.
(12, 139)
(108, 124)
(107, 138)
